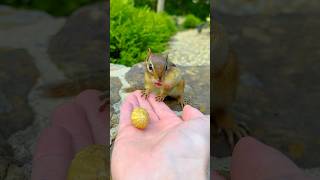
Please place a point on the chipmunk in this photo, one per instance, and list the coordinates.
(225, 81)
(163, 77)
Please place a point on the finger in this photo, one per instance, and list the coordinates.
(147, 106)
(162, 110)
(90, 102)
(73, 118)
(190, 112)
(53, 154)
(261, 159)
(126, 110)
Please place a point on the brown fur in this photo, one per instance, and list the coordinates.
(165, 72)
(225, 82)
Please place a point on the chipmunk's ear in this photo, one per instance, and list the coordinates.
(166, 59)
(169, 63)
(148, 55)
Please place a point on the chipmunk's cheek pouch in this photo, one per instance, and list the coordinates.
(167, 86)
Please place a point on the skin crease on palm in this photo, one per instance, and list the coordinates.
(170, 148)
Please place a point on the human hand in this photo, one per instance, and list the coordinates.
(253, 160)
(74, 125)
(169, 148)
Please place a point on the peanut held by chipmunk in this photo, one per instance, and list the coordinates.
(163, 77)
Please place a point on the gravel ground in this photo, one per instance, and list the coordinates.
(189, 48)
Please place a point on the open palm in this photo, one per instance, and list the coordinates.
(169, 148)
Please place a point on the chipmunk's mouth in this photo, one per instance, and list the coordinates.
(158, 84)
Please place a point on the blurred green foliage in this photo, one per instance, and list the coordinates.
(200, 8)
(191, 21)
(134, 30)
(53, 7)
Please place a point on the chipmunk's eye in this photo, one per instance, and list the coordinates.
(150, 67)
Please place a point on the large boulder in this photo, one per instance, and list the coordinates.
(278, 96)
(79, 48)
(197, 88)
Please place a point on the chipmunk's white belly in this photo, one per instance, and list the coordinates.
(172, 93)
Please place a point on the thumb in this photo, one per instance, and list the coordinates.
(190, 112)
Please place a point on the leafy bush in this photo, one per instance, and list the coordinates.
(133, 30)
(191, 21)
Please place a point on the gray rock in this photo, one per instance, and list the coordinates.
(256, 34)
(114, 124)
(5, 105)
(250, 80)
(220, 164)
(197, 85)
(115, 85)
(79, 48)
(284, 112)
(113, 134)
(5, 148)
(4, 164)
(14, 18)
(314, 172)
(15, 172)
(31, 30)
(22, 143)
(18, 76)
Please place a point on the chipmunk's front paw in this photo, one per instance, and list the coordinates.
(145, 93)
(160, 98)
(238, 130)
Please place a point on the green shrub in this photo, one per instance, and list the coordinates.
(133, 30)
(191, 21)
